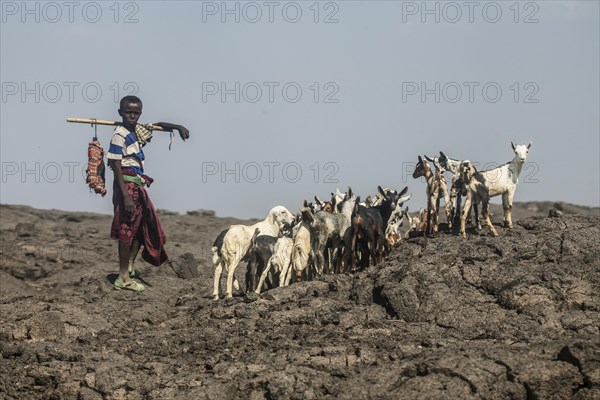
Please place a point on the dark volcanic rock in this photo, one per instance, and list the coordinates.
(185, 266)
(479, 318)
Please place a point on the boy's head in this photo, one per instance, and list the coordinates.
(130, 109)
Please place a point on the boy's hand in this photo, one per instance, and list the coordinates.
(183, 132)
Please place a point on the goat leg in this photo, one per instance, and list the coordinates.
(263, 276)
(465, 211)
(217, 282)
(486, 216)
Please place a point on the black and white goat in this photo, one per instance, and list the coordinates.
(367, 231)
(436, 189)
(457, 190)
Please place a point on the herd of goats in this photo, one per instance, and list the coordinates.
(346, 235)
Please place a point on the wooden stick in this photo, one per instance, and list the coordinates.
(93, 121)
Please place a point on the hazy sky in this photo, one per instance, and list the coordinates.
(285, 100)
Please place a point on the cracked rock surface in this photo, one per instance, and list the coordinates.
(515, 317)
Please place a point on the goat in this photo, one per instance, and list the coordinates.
(326, 205)
(216, 257)
(436, 189)
(457, 189)
(237, 241)
(367, 229)
(302, 254)
(312, 206)
(502, 180)
(476, 191)
(378, 198)
(280, 260)
(328, 231)
(392, 232)
(417, 224)
(258, 255)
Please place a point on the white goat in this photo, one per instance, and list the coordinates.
(302, 254)
(237, 241)
(481, 186)
(280, 261)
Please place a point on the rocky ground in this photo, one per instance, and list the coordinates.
(515, 316)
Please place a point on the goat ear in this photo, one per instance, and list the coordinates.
(529, 145)
(349, 191)
(420, 159)
(442, 155)
(428, 159)
(513, 145)
(404, 199)
(305, 204)
(319, 202)
(380, 190)
(403, 191)
(308, 216)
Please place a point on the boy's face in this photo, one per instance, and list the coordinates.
(130, 114)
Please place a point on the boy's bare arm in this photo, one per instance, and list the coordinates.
(127, 200)
(183, 131)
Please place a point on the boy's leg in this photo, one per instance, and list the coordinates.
(124, 254)
(124, 281)
(133, 252)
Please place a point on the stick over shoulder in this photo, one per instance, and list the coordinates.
(112, 123)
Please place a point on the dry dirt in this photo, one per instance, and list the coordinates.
(513, 317)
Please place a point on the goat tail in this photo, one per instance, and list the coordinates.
(216, 257)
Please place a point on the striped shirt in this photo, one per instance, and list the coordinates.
(126, 147)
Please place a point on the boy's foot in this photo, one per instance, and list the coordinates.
(134, 273)
(130, 285)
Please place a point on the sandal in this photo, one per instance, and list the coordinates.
(131, 285)
(134, 273)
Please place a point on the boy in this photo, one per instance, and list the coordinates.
(135, 221)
